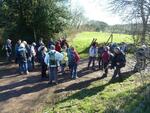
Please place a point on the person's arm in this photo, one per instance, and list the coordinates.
(46, 59)
(59, 56)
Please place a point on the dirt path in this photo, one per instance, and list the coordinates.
(28, 93)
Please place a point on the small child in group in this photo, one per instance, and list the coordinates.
(105, 60)
(64, 62)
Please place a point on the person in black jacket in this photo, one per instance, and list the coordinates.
(118, 62)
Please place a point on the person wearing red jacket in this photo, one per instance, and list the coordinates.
(58, 46)
(105, 60)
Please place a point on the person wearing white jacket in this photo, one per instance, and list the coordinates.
(52, 59)
(92, 55)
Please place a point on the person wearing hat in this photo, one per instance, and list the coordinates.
(105, 60)
(22, 59)
(118, 62)
(52, 59)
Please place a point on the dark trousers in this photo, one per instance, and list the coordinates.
(32, 61)
(92, 60)
(105, 67)
(43, 70)
(99, 62)
(117, 72)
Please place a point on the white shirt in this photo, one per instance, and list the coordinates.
(93, 51)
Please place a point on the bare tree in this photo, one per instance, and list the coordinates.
(137, 11)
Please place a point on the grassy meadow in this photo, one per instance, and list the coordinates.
(128, 96)
(82, 40)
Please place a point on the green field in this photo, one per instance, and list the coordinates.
(84, 39)
(128, 96)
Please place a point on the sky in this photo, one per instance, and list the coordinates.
(97, 10)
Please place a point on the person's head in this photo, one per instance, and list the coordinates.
(143, 46)
(52, 47)
(64, 48)
(19, 42)
(22, 45)
(8, 41)
(34, 44)
(107, 48)
(25, 43)
(43, 49)
(72, 48)
(117, 50)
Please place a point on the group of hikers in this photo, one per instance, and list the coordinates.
(58, 56)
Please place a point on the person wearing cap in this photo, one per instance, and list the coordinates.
(118, 62)
(105, 60)
(22, 59)
(52, 59)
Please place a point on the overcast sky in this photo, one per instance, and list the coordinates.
(97, 10)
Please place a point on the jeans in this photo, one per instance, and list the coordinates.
(73, 69)
(29, 64)
(53, 74)
(91, 60)
(23, 67)
(105, 67)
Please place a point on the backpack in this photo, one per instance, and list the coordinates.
(72, 57)
(22, 55)
(52, 59)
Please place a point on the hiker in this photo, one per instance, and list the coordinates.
(92, 55)
(16, 50)
(73, 59)
(64, 62)
(8, 50)
(123, 47)
(29, 55)
(64, 43)
(105, 60)
(39, 51)
(22, 59)
(100, 52)
(43, 64)
(51, 42)
(58, 46)
(140, 55)
(52, 59)
(119, 61)
(33, 54)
